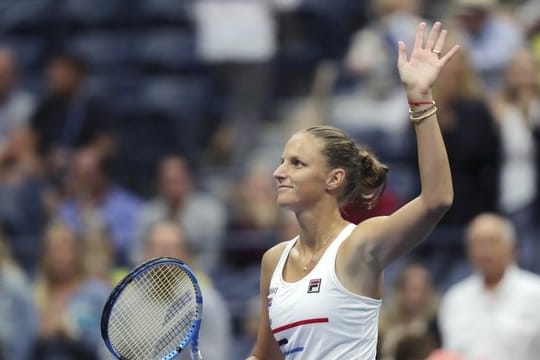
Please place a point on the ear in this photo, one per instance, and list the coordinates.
(335, 179)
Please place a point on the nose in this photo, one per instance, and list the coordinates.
(279, 173)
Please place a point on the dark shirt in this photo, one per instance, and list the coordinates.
(474, 151)
(73, 125)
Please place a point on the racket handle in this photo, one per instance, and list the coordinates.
(196, 355)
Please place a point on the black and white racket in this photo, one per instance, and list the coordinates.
(154, 312)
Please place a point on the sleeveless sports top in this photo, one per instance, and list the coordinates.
(317, 317)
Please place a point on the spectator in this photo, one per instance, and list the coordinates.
(70, 116)
(517, 110)
(415, 347)
(98, 256)
(413, 309)
(255, 217)
(18, 320)
(167, 239)
(16, 107)
(200, 215)
(422, 346)
(472, 139)
(93, 201)
(238, 40)
(492, 38)
(69, 305)
(493, 314)
(376, 100)
(19, 165)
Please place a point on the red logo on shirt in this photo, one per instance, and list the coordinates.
(314, 286)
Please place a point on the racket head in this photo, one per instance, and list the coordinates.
(162, 301)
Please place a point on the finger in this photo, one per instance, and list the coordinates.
(419, 40)
(433, 35)
(440, 42)
(450, 54)
(402, 53)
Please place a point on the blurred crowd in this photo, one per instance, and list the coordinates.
(144, 128)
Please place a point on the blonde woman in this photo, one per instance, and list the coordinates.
(18, 323)
(321, 292)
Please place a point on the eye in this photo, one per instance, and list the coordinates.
(297, 163)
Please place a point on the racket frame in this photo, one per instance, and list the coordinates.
(136, 273)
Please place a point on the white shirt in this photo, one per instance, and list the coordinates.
(316, 317)
(15, 113)
(235, 30)
(501, 324)
(518, 170)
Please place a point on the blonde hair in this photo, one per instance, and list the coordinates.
(365, 175)
(468, 83)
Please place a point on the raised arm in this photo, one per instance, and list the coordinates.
(387, 238)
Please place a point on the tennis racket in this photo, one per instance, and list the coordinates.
(154, 312)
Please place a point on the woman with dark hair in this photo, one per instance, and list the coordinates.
(321, 291)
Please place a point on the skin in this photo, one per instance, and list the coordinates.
(415, 291)
(490, 248)
(167, 239)
(61, 267)
(174, 181)
(8, 73)
(308, 187)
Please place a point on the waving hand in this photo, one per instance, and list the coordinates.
(421, 69)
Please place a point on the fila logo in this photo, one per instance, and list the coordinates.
(314, 286)
(273, 290)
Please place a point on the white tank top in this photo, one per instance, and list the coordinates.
(316, 317)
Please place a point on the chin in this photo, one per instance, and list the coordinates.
(285, 201)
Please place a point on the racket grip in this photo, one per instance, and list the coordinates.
(196, 355)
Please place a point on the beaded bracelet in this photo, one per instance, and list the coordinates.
(417, 103)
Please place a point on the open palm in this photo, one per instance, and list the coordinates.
(421, 69)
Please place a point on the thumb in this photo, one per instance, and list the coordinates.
(402, 53)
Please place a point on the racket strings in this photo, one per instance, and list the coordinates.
(154, 314)
(156, 298)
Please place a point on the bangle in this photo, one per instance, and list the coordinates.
(420, 112)
(418, 118)
(417, 103)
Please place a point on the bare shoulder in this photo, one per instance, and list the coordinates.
(272, 255)
(366, 230)
(268, 265)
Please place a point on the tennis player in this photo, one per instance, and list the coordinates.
(321, 292)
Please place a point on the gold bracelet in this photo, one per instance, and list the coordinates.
(417, 118)
(420, 112)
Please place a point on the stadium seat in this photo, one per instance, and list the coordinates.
(29, 50)
(183, 97)
(163, 11)
(93, 13)
(105, 51)
(26, 15)
(167, 50)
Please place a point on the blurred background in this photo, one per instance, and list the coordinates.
(139, 128)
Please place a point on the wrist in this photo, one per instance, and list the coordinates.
(419, 96)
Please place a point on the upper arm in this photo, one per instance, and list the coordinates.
(266, 347)
(386, 238)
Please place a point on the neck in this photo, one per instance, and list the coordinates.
(64, 284)
(491, 281)
(174, 206)
(318, 224)
(4, 96)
